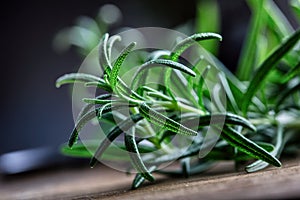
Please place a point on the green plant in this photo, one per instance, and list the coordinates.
(260, 121)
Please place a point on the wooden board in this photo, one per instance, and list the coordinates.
(221, 182)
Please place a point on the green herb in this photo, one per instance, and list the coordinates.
(261, 120)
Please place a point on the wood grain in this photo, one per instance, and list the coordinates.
(221, 182)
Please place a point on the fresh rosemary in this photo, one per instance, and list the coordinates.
(261, 120)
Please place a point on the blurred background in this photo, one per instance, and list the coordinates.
(35, 113)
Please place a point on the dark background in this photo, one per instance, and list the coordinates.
(34, 113)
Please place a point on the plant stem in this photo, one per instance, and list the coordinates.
(181, 107)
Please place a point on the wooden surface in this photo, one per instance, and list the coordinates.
(221, 182)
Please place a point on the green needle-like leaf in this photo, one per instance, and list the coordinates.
(116, 68)
(258, 165)
(78, 77)
(85, 109)
(139, 178)
(79, 125)
(85, 148)
(103, 57)
(159, 95)
(247, 146)
(153, 56)
(98, 101)
(158, 63)
(164, 122)
(180, 48)
(78, 150)
(113, 134)
(266, 146)
(266, 67)
(89, 116)
(295, 71)
(192, 150)
(247, 58)
(135, 156)
(187, 42)
(228, 91)
(110, 44)
(181, 86)
(214, 119)
(277, 20)
(203, 23)
(99, 85)
(200, 86)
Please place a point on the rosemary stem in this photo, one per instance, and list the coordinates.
(181, 107)
(261, 121)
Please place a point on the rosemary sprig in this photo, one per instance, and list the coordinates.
(253, 125)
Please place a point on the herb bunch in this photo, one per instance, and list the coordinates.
(262, 115)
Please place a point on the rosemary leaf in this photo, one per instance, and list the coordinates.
(248, 54)
(103, 57)
(97, 101)
(228, 92)
(89, 116)
(160, 62)
(99, 85)
(219, 119)
(295, 71)
(187, 42)
(78, 77)
(113, 134)
(110, 44)
(88, 107)
(180, 48)
(116, 68)
(247, 146)
(200, 86)
(164, 122)
(135, 156)
(266, 67)
(258, 165)
(139, 178)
